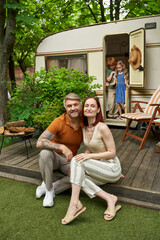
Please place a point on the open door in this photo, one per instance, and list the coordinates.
(115, 46)
(137, 58)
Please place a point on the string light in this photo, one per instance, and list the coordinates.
(87, 2)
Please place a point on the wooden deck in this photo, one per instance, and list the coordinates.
(140, 186)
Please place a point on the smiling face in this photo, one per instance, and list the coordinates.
(119, 68)
(73, 108)
(113, 67)
(91, 108)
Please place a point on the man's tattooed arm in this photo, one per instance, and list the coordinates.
(45, 141)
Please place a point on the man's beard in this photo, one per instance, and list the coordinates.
(73, 116)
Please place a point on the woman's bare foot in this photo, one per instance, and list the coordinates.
(112, 208)
(112, 199)
(122, 176)
(74, 211)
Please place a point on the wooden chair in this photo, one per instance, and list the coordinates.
(151, 112)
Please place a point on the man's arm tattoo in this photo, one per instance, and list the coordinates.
(45, 141)
(46, 135)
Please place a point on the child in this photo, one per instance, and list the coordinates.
(110, 71)
(121, 81)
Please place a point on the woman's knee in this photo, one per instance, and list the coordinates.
(73, 161)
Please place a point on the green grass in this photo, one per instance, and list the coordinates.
(22, 217)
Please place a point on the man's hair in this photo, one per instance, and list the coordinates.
(71, 96)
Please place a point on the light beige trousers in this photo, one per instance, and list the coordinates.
(112, 106)
(92, 173)
(50, 161)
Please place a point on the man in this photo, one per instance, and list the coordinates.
(60, 142)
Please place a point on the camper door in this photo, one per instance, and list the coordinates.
(137, 58)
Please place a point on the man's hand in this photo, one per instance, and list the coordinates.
(67, 152)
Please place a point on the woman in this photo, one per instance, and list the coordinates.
(97, 166)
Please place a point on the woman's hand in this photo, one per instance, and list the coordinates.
(82, 157)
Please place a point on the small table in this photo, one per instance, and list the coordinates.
(21, 138)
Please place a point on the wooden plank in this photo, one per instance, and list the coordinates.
(138, 179)
(151, 172)
(137, 156)
(35, 166)
(28, 165)
(123, 146)
(20, 156)
(139, 203)
(133, 168)
(133, 193)
(18, 144)
(156, 182)
(25, 161)
(117, 134)
(21, 178)
(20, 171)
(14, 154)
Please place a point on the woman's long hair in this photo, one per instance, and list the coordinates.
(124, 70)
(99, 118)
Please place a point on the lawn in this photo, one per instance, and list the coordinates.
(22, 217)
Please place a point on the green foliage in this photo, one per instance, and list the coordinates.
(141, 8)
(39, 99)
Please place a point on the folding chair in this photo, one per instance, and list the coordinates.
(151, 112)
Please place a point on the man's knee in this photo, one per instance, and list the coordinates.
(45, 155)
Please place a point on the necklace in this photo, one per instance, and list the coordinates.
(90, 126)
(89, 133)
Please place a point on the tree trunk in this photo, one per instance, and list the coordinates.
(7, 39)
(12, 72)
(103, 19)
(117, 9)
(111, 10)
(22, 66)
(3, 91)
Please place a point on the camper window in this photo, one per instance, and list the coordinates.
(77, 61)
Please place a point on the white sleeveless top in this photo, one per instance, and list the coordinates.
(95, 144)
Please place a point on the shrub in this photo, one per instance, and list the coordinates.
(39, 99)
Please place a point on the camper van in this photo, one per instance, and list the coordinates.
(88, 48)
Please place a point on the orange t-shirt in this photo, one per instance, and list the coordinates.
(65, 134)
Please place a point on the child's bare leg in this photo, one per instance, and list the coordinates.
(122, 105)
(119, 109)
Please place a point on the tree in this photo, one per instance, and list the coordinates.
(137, 8)
(101, 15)
(7, 38)
(26, 22)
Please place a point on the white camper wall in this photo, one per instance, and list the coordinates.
(152, 67)
(39, 63)
(95, 66)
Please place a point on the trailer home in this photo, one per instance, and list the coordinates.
(88, 48)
